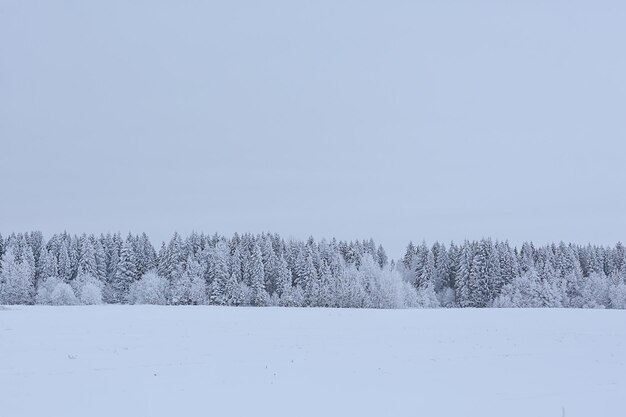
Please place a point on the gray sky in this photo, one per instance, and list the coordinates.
(399, 120)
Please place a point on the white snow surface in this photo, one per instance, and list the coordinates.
(174, 361)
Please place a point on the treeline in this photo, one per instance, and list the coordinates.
(256, 270)
(265, 269)
(493, 274)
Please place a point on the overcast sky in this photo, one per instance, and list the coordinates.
(397, 120)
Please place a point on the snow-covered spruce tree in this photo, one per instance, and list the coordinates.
(237, 288)
(617, 258)
(509, 267)
(495, 278)
(463, 289)
(145, 253)
(573, 276)
(442, 269)
(101, 265)
(448, 293)
(479, 285)
(425, 274)
(74, 254)
(289, 295)
(125, 275)
(409, 255)
(313, 293)
(64, 264)
(258, 295)
(326, 285)
(87, 258)
(527, 257)
(171, 258)
(188, 286)
(222, 287)
(48, 266)
(112, 246)
(305, 275)
(355, 253)
(24, 252)
(236, 264)
(271, 268)
(419, 260)
(2, 244)
(381, 256)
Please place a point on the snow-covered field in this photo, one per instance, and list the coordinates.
(174, 361)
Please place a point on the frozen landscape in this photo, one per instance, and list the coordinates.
(207, 360)
(409, 208)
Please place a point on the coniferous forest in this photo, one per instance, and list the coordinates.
(267, 270)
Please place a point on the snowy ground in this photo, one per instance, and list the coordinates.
(170, 361)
